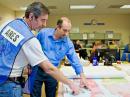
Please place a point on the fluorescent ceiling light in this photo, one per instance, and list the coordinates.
(82, 6)
(23, 8)
(125, 6)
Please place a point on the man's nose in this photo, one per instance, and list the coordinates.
(44, 24)
(66, 33)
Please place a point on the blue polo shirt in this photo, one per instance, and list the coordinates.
(56, 50)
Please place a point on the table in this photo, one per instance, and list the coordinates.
(100, 87)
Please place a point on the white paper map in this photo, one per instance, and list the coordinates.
(94, 72)
(100, 88)
(68, 92)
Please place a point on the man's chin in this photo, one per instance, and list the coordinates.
(63, 36)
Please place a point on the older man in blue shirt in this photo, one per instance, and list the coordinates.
(56, 44)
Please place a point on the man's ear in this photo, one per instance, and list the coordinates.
(59, 23)
(31, 16)
(59, 26)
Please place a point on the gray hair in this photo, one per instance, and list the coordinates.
(37, 8)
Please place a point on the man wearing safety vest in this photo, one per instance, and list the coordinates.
(19, 47)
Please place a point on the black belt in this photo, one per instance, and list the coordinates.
(19, 80)
(14, 79)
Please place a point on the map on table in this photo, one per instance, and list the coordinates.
(101, 88)
(94, 72)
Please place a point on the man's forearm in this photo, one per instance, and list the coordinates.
(54, 72)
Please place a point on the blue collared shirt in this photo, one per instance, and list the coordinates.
(56, 50)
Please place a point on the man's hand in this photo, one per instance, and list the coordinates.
(75, 88)
(27, 70)
(83, 81)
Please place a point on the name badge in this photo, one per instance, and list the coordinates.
(12, 35)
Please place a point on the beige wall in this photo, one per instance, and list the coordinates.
(116, 23)
(6, 14)
(19, 14)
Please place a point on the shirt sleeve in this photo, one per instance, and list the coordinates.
(33, 52)
(73, 59)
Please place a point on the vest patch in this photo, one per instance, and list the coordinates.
(12, 35)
